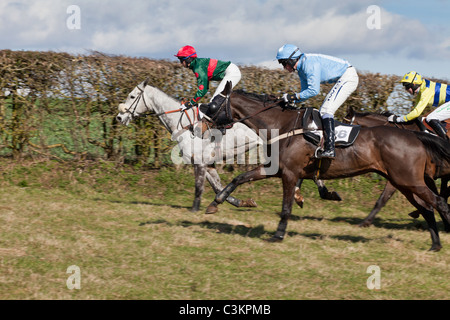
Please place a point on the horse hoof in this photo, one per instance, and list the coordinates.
(299, 199)
(249, 203)
(195, 206)
(211, 209)
(435, 248)
(364, 224)
(335, 196)
(414, 214)
(276, 238)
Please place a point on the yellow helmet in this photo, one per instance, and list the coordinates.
(412, 77)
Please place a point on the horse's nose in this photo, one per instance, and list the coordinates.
(119, 118)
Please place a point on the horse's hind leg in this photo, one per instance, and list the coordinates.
(445, 193)
(440, 204)
(428, 215)
(387, 193)
(445, 189)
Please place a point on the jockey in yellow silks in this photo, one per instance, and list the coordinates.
(429, 93)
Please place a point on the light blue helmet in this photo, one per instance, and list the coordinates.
(288, 51)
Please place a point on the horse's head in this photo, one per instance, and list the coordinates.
(227, 89)
(134, 106)
(350, 116)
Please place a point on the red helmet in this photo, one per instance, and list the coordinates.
(186, 52)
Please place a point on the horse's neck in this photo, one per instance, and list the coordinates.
(271, 119)
(161, 103)
(380, 120)
(372, 120)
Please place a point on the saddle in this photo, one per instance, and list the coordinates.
(345, 134)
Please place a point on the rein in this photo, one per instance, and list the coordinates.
(275, 104)
(141, 95)
(397, 125)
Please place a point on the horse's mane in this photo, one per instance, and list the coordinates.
(385, 113)
(380, 112)
(257, 96)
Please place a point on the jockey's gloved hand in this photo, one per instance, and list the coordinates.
(289, 98)
(187, 106)
(395, 119)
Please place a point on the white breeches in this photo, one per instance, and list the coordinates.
(441, 113)
(343, 88)
(233, 74)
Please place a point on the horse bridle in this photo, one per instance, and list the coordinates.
(136, 102)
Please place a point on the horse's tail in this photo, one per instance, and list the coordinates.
(437, 148)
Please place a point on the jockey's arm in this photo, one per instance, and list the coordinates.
(202, 86)
(421, 102)
(310, 83)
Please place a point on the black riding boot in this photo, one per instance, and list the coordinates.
(214, 105)
(328, 131)
(438, 128)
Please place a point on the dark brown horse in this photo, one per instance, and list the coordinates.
(406, 160)
(370, 119)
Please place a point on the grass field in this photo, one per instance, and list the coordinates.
(132, 236)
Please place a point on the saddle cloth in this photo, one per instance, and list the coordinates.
(345, 134)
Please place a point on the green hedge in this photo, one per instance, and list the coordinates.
(59, 105)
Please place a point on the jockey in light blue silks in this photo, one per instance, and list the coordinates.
(314, 69)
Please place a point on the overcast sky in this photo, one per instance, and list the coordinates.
(390, 37)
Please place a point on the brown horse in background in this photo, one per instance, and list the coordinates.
(406, 160)
(370, 119)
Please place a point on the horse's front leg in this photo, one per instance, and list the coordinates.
(200, 174)
(288, 199)
(253, 175)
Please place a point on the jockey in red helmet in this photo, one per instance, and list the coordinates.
(206, 69)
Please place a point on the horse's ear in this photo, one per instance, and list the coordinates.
(146, 81)
(227, 90)
(350, 110)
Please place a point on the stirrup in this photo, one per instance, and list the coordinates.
(317, 152)
(328, 155)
